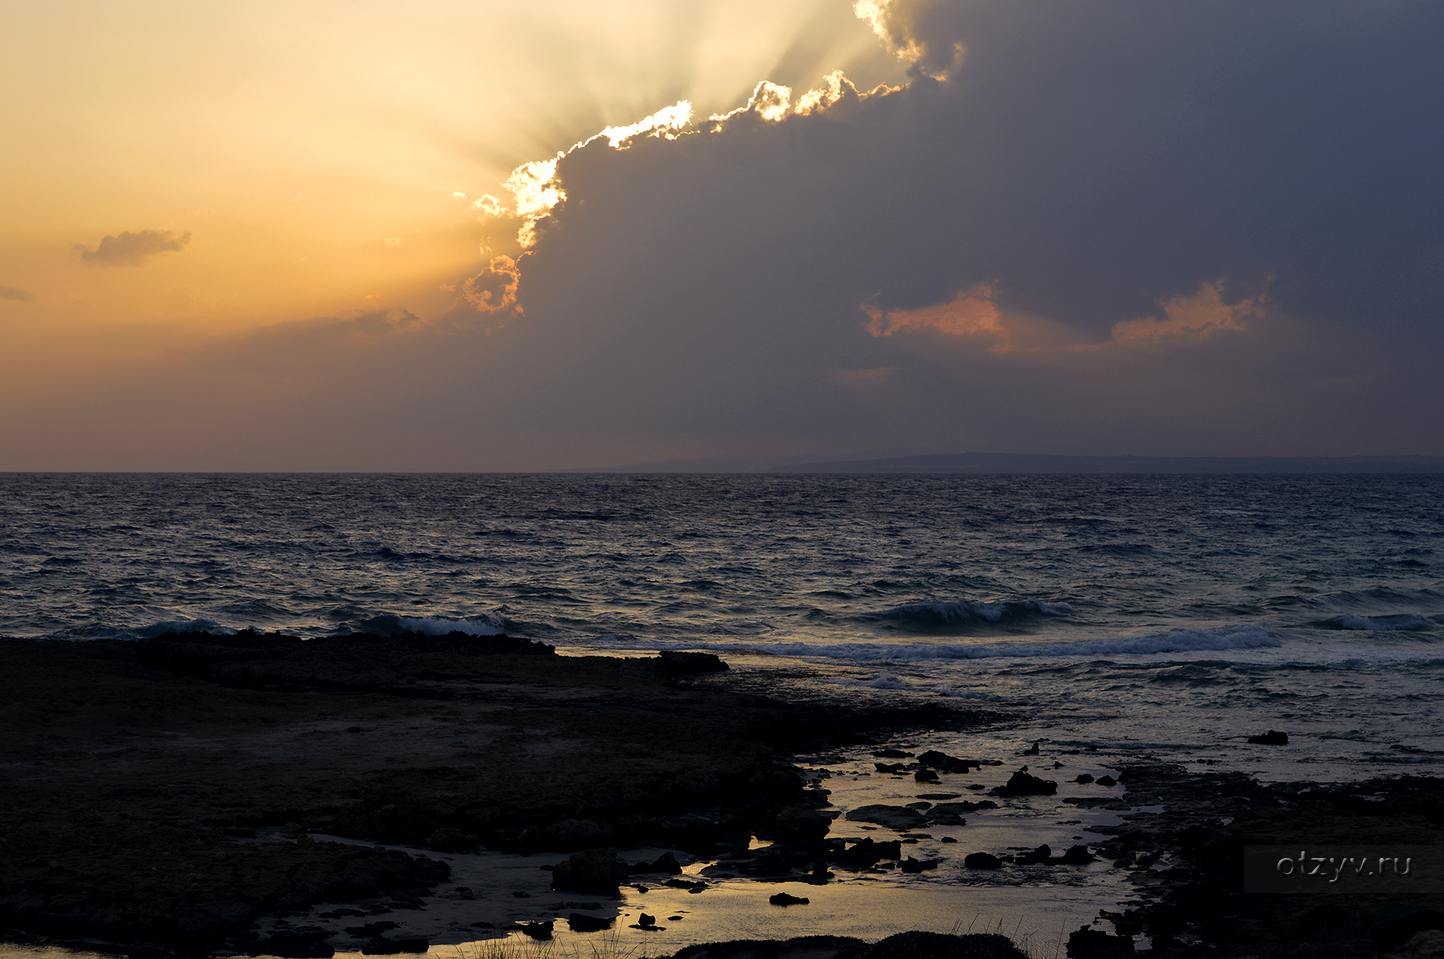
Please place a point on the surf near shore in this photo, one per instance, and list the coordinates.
(264, 794)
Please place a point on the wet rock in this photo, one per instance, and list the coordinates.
(1089, 943)
(787, 899)
(672, 663)
(304, 943)
(1271, 738)
(900, 818)
(948, 764)
(913, 865)
(1024, 783)
(567, 835)
(865, 852)
(1083, 778)
(1106, 781)
(982, 860)
(537, 930)
(937, 945)
(1039, 856)
(591, 870)
(580, 922)
(381, 946)
(819, 875)
(799, 823)
(666, 864)
(1075, 856)
(925, 776)
(892, 754)
(449, 839)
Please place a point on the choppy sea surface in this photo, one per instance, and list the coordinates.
(1166, 616)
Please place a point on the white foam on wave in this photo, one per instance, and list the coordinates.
(939, 612)
(1187, 641)
(181, 626)
(490, 625)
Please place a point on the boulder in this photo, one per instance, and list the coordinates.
(900, 818)
(1271, 738)
(591, 870)
(982, 860)
(787, 899)
(801, 824)
(1024, 783)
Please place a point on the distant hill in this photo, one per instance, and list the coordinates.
(1045, 463)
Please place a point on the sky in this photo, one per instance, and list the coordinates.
(444, 235)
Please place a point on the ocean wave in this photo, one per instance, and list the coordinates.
(937, 616)
(181, 626)
(1186, 641)
(487, 624)
(1401, 621)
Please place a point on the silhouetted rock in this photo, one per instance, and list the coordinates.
(448, 839)
(1023, 783)
(306, 943)
(537, 930)
(937, 945)
(787, 899)
(946, 763)
(1089, 943)
(982, 860)
(900, 818)
(800, 823)
(665, 864)
(673, 663)
(580, 922)
(1271, 738)
(1075, 856)
(591, 870)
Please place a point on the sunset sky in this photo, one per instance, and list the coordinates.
(444, 235)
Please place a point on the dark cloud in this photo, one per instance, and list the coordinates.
(133, 249)
(1137, 187)
(15, 293)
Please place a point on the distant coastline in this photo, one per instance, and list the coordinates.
(1046, 463)
(1043, 463)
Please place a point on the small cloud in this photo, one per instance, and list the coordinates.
(969, 313)
(487, 206)
(494, 288)
(15, 293)
(392, 242)
(133, 249)
(1194, 317)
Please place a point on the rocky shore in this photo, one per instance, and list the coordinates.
(197, 794)
(164, 796)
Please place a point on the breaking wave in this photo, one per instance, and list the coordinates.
(940, 617)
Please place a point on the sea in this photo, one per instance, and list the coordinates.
(1101, 619)
(1158, 616)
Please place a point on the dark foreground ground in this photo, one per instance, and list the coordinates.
(138, 780)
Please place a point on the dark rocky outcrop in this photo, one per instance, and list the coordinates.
(591, 870)
(1024, 783)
